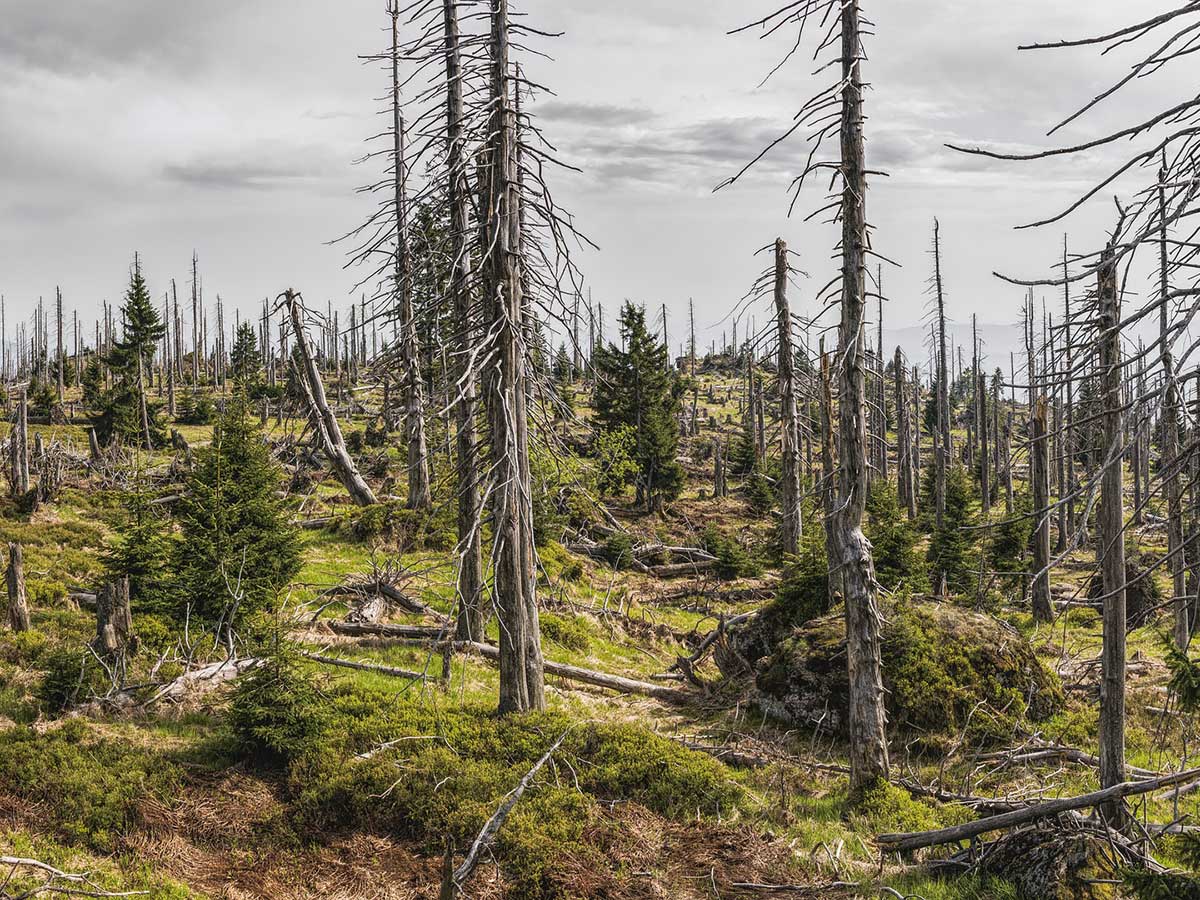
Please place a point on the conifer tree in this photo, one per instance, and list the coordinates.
(238, 548)
(636, 387)
(245, 360)
(125, 412)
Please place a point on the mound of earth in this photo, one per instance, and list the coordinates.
(945, 668)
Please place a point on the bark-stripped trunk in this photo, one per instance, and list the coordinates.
(1039, 474)
(829, 473)
(18, 605)
(1169, 463)
(324, 421)
(851, 551)
(521, 676)
(789, 488)
(720, 485)
(904, 449)
(916, 436)
(942, 456)
(985, 484)
(1112, 541)
(114, 620)
(419, 495)
(19, 447)
(470, 564)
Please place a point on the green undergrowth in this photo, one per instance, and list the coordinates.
(445, 769)
(120, 875)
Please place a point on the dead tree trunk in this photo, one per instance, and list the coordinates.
(720, 484)
(419, 496)
(789, 488)
(985, 484)
(943, 454)
(19, 447)
(1169, 462)
(521, 672)
(851, 551)
(18, 605)
(1111, 535)
(466, 402)
(1039, 474)
(324, 421)
(904, 449)
(114, 620)
(829, 473)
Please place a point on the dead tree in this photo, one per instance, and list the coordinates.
(849, 551)
(114, 620)
(419, 496)
(1039, 475)
(18, 604)
(324, 421)
(904, 446)
(720, 484)
(942, 455)
(19, 447)
(506, 395)
(789, 487)
(1111, 535)
(1169, 461)
(470, 587)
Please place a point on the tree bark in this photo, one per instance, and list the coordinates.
(789, 489)
(1043, 609)
(942, 456)
(419, 495)
(1112, 540)
(18, 604)
(470, 586)
(19, 447)
(851, 552)
(521, 671)
(904, 445)
(324, 421)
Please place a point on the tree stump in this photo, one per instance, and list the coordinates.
(18, 605)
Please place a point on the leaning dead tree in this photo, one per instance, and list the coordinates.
(18, 604)
(836, 111)
(324, 422)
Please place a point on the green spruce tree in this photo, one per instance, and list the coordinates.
(245, 360)
(238, 550)
(126, 413)
(636, 386)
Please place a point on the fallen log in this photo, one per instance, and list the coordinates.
(387, 629)
(377, 669)
(900, 843)
(589, 676)
(675, 570)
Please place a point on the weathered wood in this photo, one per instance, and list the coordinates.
(453, 881)
(1107, 797)
(114, 619)
(18, 604)
(791, 524)
(1111, 534)
(506, 391)
(388, 671)
(1043, 609)
(388, 629)
(19, 447)
(589, 676)
(324, 421)
(851, 551)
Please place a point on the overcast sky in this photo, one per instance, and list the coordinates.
(230, 126)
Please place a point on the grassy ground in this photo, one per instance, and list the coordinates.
(166, 799)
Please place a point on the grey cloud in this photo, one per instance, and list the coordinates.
(260, 168)
(596, 114)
